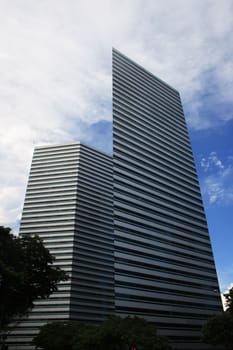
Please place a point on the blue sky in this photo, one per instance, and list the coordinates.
(213, 149)
(55, 87)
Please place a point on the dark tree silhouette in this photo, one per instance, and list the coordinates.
(115, 334)
(218, 330)
(26, 273)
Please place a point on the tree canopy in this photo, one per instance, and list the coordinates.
(114, 334)
(218, 330)
(128, 333)
(59, 335)
(229, 301)
(26, 273)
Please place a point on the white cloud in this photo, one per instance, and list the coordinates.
(211, 161)
(55, 67)
(217, 185)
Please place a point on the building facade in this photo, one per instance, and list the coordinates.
(130, 229)
(164, 266)
(69, 204)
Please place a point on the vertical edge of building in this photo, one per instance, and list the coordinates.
(164, 267)
(92, 297)
(68, 203)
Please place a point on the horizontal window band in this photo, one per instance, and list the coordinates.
(133, 113)
(121, 91)
(123, 75)
(144, 74)
(158, 206)
(125, 179)
(168, 153)
(160, 254)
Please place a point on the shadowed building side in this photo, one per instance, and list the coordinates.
(92, 284)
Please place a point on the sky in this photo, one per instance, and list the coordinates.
(55, 87)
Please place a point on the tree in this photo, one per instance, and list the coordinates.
(229, 301)
(128, 333)
(68, 335)
(218, 330)
(26, 273)
(115, 334)
(61, 335)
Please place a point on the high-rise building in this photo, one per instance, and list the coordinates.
(130, 229)
(164, 266)
(69, 204)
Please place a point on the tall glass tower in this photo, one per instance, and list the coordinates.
(164, 266)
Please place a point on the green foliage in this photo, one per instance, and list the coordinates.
(218, 330)
(229, 301)
(26, 273)
(60, 335)
(68, 335)
(115, 334)
(125, 333)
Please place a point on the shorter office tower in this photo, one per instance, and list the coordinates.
(69, 204)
